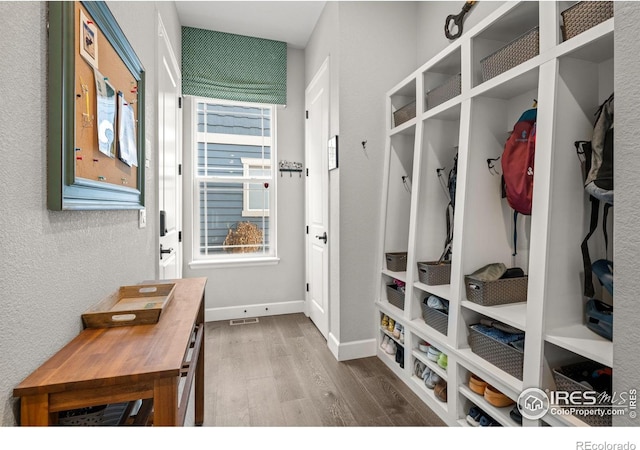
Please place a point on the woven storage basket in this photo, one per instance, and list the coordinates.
(395, 296)
(584, 15)
(501, 355)
(105, 415)
(434, 318)
(565, 378)
(515, 53)
(451, 88)
(396, 262)
(498, 292)
(404, 114)
(434, 274)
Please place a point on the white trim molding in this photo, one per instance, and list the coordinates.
(351, 350)
(259, 310)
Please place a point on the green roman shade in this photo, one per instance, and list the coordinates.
(233, 67)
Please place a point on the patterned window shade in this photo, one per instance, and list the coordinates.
(233, 67)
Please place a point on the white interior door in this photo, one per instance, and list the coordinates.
(169, 159)
(317, 204)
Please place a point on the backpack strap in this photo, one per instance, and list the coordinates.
(586, 259)
(446, 253)
(605, 215)
(515, 234)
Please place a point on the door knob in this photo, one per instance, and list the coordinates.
(323, 237)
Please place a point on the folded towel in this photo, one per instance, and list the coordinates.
(498, 335)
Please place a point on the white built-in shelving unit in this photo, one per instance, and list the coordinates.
(569, 80)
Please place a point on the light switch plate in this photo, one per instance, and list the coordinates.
(142, 222)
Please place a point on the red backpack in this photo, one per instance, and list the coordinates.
(517, 163)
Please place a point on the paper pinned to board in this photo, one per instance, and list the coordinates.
(127, 149)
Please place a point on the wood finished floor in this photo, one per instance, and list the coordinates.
(280, 372)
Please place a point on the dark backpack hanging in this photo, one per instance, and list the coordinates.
(596, 158)
(449, 187)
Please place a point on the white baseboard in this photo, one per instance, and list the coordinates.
(351, 350)
(261, 310)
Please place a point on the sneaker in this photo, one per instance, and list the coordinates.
(384, 342)
(440, 391)
(385, 321)
(391, 347)
(402, 336)
(433, 354)
(396, 330)
(423, 346)
(443, 360)
(392, 325)
(515, 415)
(418, 368)
(473, 418)
(432, 380)
(486, 421)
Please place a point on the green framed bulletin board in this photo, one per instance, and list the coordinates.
(96, 111)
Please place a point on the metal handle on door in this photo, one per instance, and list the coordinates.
(323, 237)
(162, 251)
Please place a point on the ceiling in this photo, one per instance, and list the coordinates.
(287, 21)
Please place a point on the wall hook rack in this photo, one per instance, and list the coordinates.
(291, 167)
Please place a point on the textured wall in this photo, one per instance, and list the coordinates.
(626, 358)
(55, 265)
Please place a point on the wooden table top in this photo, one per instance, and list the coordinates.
(129, 354)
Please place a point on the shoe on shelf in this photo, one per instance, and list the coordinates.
(477, 384)
(402, 336)
(440, 391)
(432, 380)
(385, 321)
(433, 354)
(515, 415)
(384, 342)
(496, 398)
(391, 347)
(442, 361)
(474, 415)
(396, 330)
(423, 346)
(418, 368)
(392, 325)
(486, 421)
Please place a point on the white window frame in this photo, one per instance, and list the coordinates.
(192, 180)
(247, 164)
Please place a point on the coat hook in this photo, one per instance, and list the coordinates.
(364, 144)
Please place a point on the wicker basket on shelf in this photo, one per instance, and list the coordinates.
(404, 114)
(584, 15)
(511, 55)
(501, 355)
(446, 91)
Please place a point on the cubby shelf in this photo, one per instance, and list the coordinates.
(567, 81)
(500, 415)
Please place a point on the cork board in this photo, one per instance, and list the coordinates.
(96, 60)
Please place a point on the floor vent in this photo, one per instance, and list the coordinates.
(243, 321)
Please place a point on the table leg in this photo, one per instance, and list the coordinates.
(199, 416)
(165, 402)
(34, 411)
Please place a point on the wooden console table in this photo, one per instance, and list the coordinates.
(121, 364)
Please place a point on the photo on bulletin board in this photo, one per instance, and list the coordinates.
(88, 40)
(332, 152)
(96, 123)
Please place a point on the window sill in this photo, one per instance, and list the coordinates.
(240, 262)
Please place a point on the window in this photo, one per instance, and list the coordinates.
(233, 154)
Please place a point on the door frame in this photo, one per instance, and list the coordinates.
(323, 70)
(163, 41)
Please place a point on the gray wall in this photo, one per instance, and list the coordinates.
(626, 358)
(228, 288)
(55, 265)
(371, 47)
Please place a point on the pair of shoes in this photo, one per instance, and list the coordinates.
(443, 361)
(474, 416)
(392, 325)
(397, 329)
(418, 368)
(390, 347)
(440, 390)
(477, 384)
(385, 321)
(433, 354)
(496, 398)
(430, 378)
